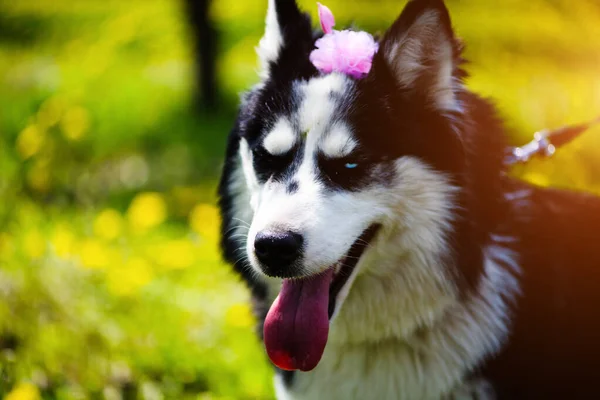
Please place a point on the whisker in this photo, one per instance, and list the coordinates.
(245, 223)
(245, 235)
(233, 228)
(238, 260)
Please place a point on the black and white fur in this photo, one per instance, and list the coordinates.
(476, 286)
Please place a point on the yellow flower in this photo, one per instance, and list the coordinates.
(39, 177)
(51, 111)
(123, 28)
(128, 278)
(30, 141)
(24, 391)
(204, 219)
(95, 255)
(75, 123)
(239, 316)
(176, 254)
(108, 224)
(146, 211)
(63, 241)
(34, 245)
(185, 197)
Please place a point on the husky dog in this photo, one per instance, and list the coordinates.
(388, 254)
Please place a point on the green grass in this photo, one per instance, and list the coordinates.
(111, 284)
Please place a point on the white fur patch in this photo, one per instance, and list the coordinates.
(281, 139)
(251, 178)
(318, 107)
(338, 142)
(272, 41)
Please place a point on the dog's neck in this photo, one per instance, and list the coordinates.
(435, 335)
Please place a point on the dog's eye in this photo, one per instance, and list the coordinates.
(267, 164)
(338, 166)
(347, 172)
(349, 166)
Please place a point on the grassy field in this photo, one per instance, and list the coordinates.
(111, 284)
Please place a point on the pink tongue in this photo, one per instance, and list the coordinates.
(297, 325)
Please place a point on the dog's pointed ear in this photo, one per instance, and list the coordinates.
(422, 53)
(285, 26)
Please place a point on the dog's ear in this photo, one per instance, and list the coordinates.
(288, 34)
(422, 53)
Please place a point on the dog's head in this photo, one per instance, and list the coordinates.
(343, 174)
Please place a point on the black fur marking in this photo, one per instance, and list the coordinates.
(269, 166)
(288, 377)
(293, 62)
(292, 187)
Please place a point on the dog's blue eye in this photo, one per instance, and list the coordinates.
(351, 165)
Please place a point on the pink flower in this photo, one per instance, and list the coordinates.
(345, 51)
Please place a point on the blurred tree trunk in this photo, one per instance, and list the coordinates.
(205, 51)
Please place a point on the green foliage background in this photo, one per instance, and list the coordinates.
(111, 284)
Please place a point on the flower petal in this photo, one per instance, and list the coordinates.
(326, 17)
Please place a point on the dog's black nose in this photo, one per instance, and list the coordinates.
(277, 251)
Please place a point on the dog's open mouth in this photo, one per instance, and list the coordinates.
(297, 325)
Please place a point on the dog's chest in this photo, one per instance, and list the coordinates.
(378, 372)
